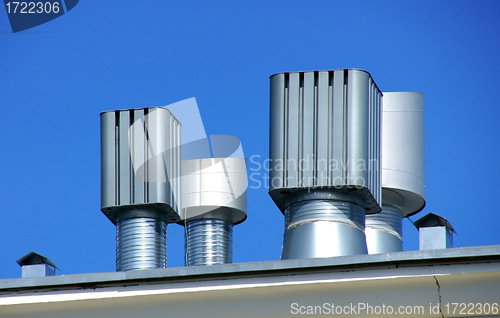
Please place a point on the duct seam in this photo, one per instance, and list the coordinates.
(342, 221)
(381, 228)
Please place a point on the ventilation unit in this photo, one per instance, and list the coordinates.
(403, 187)
(36, 265)
(435, 232)
(140, 182)
(325, 159)
(214, 199)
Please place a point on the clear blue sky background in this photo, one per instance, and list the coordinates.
(55, 79)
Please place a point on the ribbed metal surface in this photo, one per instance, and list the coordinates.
(388, 220)
(140, 244)
(208, 242)
(140, 161)
(324, 210)
(384, 231)
(323, 224)
(325, 132)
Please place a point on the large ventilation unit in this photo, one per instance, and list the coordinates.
(140, 182)
(214, 199)
(325, 159)
(403, 183)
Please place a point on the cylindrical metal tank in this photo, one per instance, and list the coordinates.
(214, 199)
(325, 140)
(403, 180)
(140, 182)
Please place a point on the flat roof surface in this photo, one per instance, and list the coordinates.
(410, 259)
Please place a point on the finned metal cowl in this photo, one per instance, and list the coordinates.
(140, 182)
(325, 138)
(325, 133)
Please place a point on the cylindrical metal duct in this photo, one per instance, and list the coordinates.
(141, 244)
(403, 182)
(140, 182)
(209, 242)
(384, 231)
(325, 140)
(324, 224)
(403, 149)
(214, 199)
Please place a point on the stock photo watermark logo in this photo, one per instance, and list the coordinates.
(267, 173)
(25, 15)
(406, 310)
(152, 154)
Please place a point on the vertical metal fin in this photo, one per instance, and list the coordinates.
(325, 132)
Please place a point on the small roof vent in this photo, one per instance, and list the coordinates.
(435, 232)
(433, 220)
(36, 265)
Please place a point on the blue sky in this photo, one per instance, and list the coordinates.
(55, 79)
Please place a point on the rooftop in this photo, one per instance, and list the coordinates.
(265, 289)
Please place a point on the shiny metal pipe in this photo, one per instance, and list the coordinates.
(384, 230)
(141, 243)
(324, 224)
(208, 242)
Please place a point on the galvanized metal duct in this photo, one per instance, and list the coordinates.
(209, 242)
(324, 224)
(141, 243)
(214, 199)
(140, 182)
(325, 139)
(403, 178)
(384, 231)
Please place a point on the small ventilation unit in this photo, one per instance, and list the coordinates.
(435, 232)
(36, 265)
